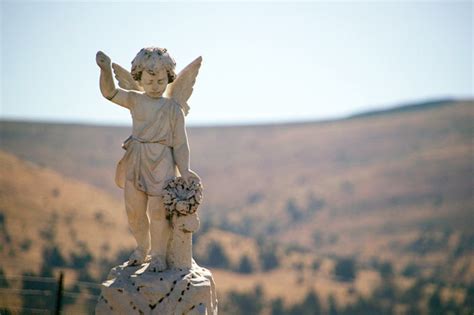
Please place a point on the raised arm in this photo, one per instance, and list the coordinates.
(107, 84)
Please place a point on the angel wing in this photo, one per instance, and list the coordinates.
(182, 87)
(125, 79)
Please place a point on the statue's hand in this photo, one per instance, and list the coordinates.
(190, 175)
(103, 61)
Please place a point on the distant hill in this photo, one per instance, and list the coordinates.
(262, 179)
(407, 108)
(393, 187)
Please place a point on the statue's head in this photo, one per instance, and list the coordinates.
(154, 69)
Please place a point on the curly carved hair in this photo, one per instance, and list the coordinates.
(151, 60)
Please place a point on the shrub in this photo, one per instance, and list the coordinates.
(411, 270)
(269, 260)
(25, 245)
(345, 269)
(216, 256)
(245, 265)
(385, 269)
(309, 306)
(294, 211)
(277, 307)
(245, 303)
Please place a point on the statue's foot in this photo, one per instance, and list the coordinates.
(138, 257)
(157, 263)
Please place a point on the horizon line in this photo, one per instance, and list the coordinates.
(262, 123)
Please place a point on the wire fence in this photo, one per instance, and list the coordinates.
(46, 295)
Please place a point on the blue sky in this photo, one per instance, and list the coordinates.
(263, 61)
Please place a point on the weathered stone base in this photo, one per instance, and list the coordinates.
(135, 290)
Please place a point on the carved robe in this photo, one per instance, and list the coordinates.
(158, 127)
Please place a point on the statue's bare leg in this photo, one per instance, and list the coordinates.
(136, 205)
(160, 233)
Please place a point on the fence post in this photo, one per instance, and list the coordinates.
(59, 293)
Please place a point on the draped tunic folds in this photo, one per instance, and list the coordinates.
(158, 126)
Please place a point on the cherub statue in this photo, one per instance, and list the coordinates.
(158, 147)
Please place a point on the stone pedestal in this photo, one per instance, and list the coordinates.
(180, 244)
(136, 290)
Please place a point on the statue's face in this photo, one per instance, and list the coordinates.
(154, 84)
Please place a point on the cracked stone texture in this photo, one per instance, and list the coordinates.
(137, 290)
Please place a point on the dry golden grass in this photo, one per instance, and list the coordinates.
(37, 200)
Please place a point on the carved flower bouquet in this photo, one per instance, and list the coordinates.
(181, 198)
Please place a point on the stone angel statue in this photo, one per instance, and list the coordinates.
(158, 149)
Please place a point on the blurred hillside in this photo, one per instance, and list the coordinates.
(338, 213)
